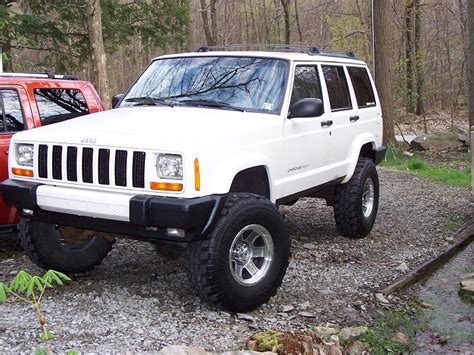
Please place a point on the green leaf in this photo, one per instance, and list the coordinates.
(72, 352)
(41, 351)
(46, 335)
(21, 282)
(3, 292)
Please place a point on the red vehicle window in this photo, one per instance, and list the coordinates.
(56, 105)
(12, 120)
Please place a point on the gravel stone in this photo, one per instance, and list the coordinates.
(134, 288)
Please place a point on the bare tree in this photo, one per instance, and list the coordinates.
(470, 11)
(98, 58)
(383, 65)
(418, 59)
(210, 30)
(286, 11)
(409, 6)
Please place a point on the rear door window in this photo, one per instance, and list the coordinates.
(57, 105)
(11, 114)
(338, 90)
(362, 87)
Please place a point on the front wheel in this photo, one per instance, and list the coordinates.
(64, 249)
(356, 202)
(243, 262)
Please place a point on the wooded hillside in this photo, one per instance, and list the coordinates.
(428, 50)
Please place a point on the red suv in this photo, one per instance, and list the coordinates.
(33, 100)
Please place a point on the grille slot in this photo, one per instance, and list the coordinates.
(104, 162)
(87, 156)
(57, 162)
(138, 172)
(121, 168)
(43, 161)
(71, 163)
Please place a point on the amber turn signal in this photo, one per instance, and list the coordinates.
(166, 186)
(197, 175)
(22, 172)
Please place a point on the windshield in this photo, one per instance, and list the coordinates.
(240, 83)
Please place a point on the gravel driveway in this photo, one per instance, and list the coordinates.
(137, 301)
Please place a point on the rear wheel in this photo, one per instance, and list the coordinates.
(356, 202)
(242, 263)
(66, 249)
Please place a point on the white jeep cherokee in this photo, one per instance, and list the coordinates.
(199, 152)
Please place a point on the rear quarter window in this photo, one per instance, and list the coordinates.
(362, 87)
(57, 105)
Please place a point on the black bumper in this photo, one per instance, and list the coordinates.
(150, 216)
(380, 154)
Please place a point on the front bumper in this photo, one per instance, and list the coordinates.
(148, 217)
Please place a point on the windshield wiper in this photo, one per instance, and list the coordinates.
(210, 103)
(148, 100)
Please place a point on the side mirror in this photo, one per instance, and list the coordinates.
(116, 100)
(307, 108)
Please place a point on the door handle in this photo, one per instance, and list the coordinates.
(326, 123)
(354, 118)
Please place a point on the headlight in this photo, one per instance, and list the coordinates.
(169, 166)
(25, 154)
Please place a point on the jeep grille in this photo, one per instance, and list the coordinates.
(88, 160)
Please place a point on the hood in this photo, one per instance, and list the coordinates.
(156, 127)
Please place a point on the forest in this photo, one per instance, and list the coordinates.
(426, 44)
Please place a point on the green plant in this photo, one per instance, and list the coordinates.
(380, 335)
(30, 289)
(396, 159)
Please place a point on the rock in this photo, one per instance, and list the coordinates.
(304, 306)
(246, 317)
(309, 246)
(430, 141)
(467, 283)
(324, 331)
(182, 350)
(402, 267)
(400, 338)
(464, 135)
(350, 333)
(357, 347)
(408, 154)
(327, 292)
(287, 308)
(307, 314)
(468, 276)
(426, 305)
(381, 298)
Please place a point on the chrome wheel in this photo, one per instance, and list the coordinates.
(251, 254)
(368, 196)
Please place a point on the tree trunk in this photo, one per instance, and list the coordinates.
(470, 61)
(298, 24)
(286, 10)
(383, 65)
(214, 21)
(99, 60)
(205, 23)
(418, 60)
(409, 4)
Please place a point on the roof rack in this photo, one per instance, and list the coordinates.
(41, 75)
(291, 48)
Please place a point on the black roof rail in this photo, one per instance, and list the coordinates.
(290, 48)
(40, 75)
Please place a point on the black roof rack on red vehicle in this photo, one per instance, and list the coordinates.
(40, 75)
(290, 48)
